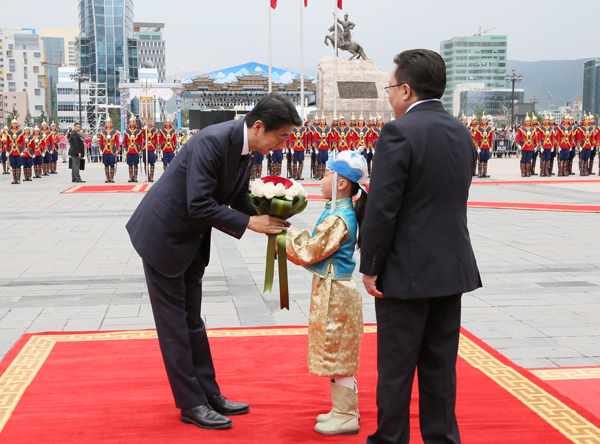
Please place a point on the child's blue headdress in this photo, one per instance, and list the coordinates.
(351, 165)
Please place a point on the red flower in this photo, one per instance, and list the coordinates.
(276, 179)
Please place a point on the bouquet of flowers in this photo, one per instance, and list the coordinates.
(283, 198)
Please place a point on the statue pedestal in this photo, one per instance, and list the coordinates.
(360, 89)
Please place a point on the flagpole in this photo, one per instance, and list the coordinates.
(270, 53)
(335, 55)
(302, 60)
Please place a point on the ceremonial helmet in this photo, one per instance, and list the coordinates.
(534, 117)
(527, 118)
(37, 129)
(323, 117)
(43, 123)
(392, 117)
(27, 129)
(379, 117)
(361, 117)
(53, 125)
(108, 120)
(167, 120)
(371, 119)
(341, 118)
(353, 118)
(463, 117)
(14, 121)
(132, 119)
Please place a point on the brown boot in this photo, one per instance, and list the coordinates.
(527, 170)
(485, 174)
(130, 174)
(300, 168)
(522, 170)
(591, 169)
(259, 172)
(585, 168)
(135, 173)
(543, 169)
(107, 174)
(5, 168)
(480, 174)
(112, 174)
(151, 174)
(18, 174)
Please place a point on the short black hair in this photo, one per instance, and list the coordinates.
(77, 123)
(423, 70)
(274, 111)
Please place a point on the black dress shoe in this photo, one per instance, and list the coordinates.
(221, 405)
(81, 181)
(205, 417)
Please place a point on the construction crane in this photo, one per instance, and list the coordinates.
(60, 63)
(480, 33)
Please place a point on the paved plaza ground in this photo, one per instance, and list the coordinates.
(66, 264)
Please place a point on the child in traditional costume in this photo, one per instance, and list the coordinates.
(335, 322)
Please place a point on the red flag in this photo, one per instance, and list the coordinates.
(274, 3)
(339, 4)
(306, 3)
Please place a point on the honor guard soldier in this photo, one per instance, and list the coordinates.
(464, 120)
(38, 143)
(527, 140)
(28, 152)
(48, 137)
(573, 142)
(334, 123)
(132, 141)
(473, 131)
(15, 146)
(485, 139)
(47, 153)
(535, 124)
(375, 133)
(342, 135)
(312, 130)
(594, 143)
(54, 150)
(297, 145)
(584, 136)
(109, 143)
(149, 152)
(257, 167)
(323, 140)
(554, 151)
(168, 141)
(546, 142)
(352, 122)
(360, 134)
(276, 160)
(4, 149)
(563, 138)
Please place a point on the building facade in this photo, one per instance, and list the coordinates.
(591, 87)
(21, 55)
(69, 36)
(53, 58)
(151, 46)
(93, 101)
(14, 101)
(470, 98)
(477, 59)
(106, 43)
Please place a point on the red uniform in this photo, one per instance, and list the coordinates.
(168, 140)
(361, 136)
(546, 137)
(527, 138)
(342, 137)
(132, 139)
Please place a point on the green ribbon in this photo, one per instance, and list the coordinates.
(279, 208)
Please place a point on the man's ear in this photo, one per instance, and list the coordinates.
(258, 125)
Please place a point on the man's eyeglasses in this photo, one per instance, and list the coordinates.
(389, 88)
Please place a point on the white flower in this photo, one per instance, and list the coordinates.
(279, 190)
(300, 190)
(269, 190)
(258, 188)
(290, 193)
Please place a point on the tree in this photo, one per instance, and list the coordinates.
(28, 119)
(115, 116)
(13, 115)
(478, 111)
(185, 117)
(43, 117)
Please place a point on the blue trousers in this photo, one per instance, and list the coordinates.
(526, 156)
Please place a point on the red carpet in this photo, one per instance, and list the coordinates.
(535, 206)
(581, 384)
(112, 388)
(130, 188)
(533, 181)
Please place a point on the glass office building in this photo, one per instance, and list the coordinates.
(591, 87)
(53, 47)
(494, 101)
(477, 59)
(106, 43)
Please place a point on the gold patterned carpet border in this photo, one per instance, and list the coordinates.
(22, 371)
(557, 374)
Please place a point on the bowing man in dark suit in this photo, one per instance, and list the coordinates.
(205, 187)
(416, 257)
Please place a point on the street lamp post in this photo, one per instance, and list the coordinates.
(514, 78)
(79, 78)
(534, 101)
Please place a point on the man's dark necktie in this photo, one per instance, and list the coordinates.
(244, 160)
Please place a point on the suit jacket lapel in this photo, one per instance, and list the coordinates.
(234, 154)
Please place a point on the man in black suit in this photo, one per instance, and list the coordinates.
(76, 151)
(205, 187)
(416, 256)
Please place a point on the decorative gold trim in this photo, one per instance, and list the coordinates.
(556, 374)
(564, 419)
(22, 371)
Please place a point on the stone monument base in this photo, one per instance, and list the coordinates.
(360, 89)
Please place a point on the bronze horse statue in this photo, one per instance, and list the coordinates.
(345, 43)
